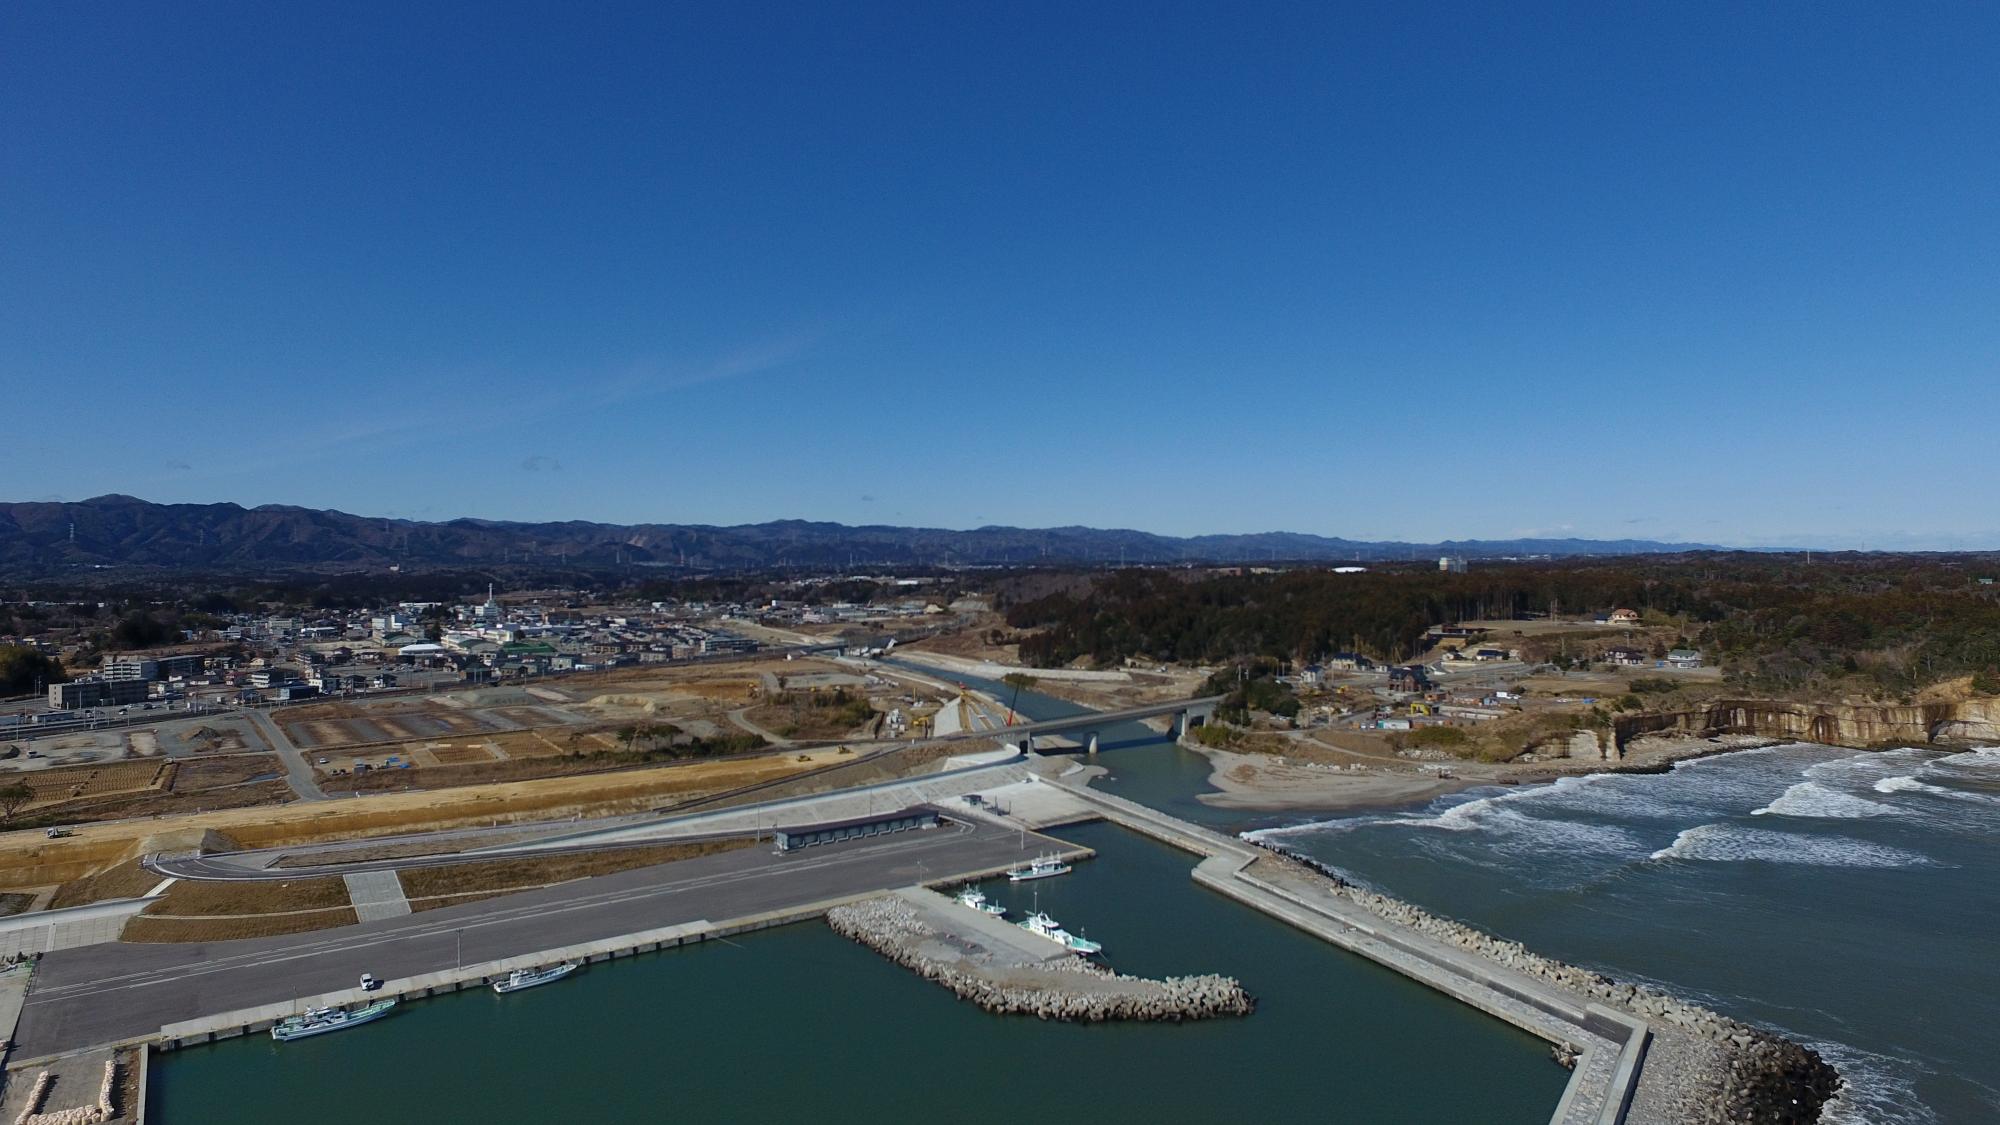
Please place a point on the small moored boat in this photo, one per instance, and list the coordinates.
(1041, 925)
(1044, 867)
(529, 978)
(975, 899)
(319, 1021)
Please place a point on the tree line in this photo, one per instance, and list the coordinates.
(1889, 623)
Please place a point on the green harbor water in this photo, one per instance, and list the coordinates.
(798, 1022)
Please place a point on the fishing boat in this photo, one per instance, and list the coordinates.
(1041, 925)
(319, 1021)
(1043, 867)
(975, 899)
(529, 978)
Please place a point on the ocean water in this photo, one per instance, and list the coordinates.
(1851, 899)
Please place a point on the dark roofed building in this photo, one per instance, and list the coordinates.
(834, 831)
(1408, 678)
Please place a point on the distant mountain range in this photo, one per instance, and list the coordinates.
(126, 531)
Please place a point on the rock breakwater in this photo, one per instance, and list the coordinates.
(1066, 987)
(1753, 1076)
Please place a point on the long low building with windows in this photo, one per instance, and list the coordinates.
(78, 694)
(834, 831)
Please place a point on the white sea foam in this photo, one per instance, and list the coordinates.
(1316, 827)
(1452, 812)
(1862, 770)
(1811, 799)
(1728, 843)
(1875, 1089)
(1514, 832)
(1907, 783)
(1986, 758)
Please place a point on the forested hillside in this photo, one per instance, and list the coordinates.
(1894, 623)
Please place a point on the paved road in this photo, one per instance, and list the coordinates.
(298, 774)
(107, 992)
(253, 867)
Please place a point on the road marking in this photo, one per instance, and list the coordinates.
(800, 865)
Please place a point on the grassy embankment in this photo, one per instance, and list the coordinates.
(197, 911)
(429, 888)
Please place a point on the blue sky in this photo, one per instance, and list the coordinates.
(1726, 273)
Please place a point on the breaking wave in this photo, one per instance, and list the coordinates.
(1811, 799)
(1862, 770)
(1875, 1089)
(1727, 843)
(1908, 783)
(1986, 758)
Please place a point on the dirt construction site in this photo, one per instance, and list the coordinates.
(469, 759)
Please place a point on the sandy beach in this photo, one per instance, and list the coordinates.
(1262, 781)
(1275, 783)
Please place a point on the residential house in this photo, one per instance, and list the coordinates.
(1409, 678)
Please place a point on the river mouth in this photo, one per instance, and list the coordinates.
(1796, 886)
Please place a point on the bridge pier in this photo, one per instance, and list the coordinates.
(1028, 743)
(1180, 725)
(1093, 743)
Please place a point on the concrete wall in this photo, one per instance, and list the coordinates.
(45, 931)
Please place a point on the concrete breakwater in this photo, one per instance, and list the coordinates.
(1750, 1075)
(1001, 977)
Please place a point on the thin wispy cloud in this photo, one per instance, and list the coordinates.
(439, 406)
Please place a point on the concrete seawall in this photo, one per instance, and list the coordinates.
(1609, 1046)
(217, 1026)
(1710, 1068)
(226, 1025)
(44, 931)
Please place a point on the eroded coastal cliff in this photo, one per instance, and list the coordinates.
(1862, 726)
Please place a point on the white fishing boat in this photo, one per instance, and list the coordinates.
(973, 898)
(529, 978)
(1041, 925)
(319, 1021)
(1044, 867)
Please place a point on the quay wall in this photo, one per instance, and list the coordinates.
(226, 1025)
(246, 1021)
